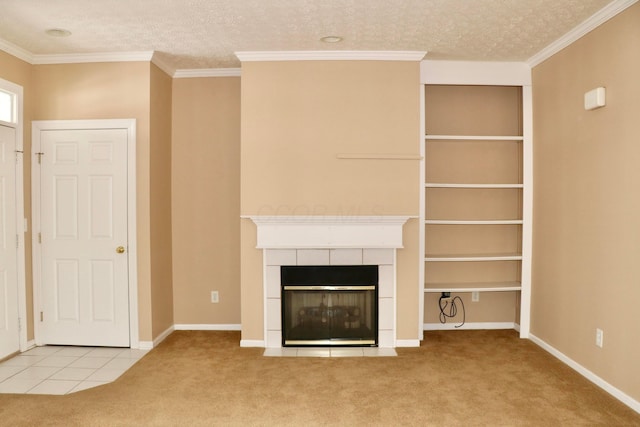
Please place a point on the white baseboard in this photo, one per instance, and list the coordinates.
(252, 343)
(468, 326)
(30, 344)
(148, 345)
(207, 327)
(615, 392)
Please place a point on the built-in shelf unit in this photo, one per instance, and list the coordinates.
(476, 175)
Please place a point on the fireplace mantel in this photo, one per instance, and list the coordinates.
(284, 232)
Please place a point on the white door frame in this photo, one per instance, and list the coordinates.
(20, 219)
(130, 126)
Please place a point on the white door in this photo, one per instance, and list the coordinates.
(83, 220)
(9, 332)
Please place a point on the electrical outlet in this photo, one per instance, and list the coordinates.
(475, 296)
(215, 297)
(599, 337)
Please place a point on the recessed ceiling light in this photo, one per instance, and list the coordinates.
(58, 32)
(331, 39)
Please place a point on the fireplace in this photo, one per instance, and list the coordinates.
(328, 241)
(329, 305)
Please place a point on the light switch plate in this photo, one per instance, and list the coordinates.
(594, 99)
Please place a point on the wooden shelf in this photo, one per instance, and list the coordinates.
(474, 138)
(472, 287)
(462, 185)
(473, 222)
(472, 257)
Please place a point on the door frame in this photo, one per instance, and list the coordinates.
(21, 221)
(130, 126)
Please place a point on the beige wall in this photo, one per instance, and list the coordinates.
(206, 200)
(19, 72)
(586, 273)
(296, 118)
(107, 91)
(160, 201)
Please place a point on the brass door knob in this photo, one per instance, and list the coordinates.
(120, 249)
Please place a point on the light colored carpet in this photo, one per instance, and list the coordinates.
(456, 378)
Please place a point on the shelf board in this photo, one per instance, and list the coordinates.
(473, 222)
(473, 257)
(472, 287)
(514, 138)
(451, 185)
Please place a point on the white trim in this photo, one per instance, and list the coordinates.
(78, 58)
(615, 392)
(21, 268)
(422, 214)
(162, 64)
(132, 251)
(252, 343)
(599, 18)
(16, 51)
(468, 326)
(144, 345)
(349, 231)
(475, 73)
(30, 344)
(163, 335)
(407, 343)
(527, 212)
(206, 327)
(335, 55)
(207, 72)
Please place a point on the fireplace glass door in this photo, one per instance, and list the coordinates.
(334, 308)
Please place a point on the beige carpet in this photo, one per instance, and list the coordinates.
(470, 378)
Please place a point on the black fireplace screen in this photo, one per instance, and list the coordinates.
(329, 305)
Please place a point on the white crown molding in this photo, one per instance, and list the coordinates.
(16, 51)
(336, 55)
(207, 72)
(77, 58)
(162, 64)
(599, 18)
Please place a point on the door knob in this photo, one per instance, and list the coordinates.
(120, 249)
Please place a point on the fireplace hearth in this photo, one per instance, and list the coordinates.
(329, 305)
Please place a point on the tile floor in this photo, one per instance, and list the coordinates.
(63, 370)
(330, 352)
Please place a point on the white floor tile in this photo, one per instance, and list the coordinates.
(54, 387)
(84, 385)
(121, 364)
(76, 374)
(16, 385)
(22, 360)
(36, 373)
(132, 353)
(106, 375)
(346, 352)
(55, 360)
(105, 352)
(379, 352)
(9, 371)
(74, 351)
(43, 351)
(90, 362)
(314, 352)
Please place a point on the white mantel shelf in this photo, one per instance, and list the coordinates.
(282, 232)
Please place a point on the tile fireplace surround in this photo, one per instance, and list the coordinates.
(330, 240)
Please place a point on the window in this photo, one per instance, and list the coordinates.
(7, 107)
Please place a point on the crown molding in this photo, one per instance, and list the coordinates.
(207, 72)
(77, 58)
(599, 18)
(335, 55)
(16, 51)
(162, 64)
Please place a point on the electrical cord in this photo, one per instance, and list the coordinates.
(453, 309)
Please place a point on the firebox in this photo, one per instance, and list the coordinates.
(329, 305)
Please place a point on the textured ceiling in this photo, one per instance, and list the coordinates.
(190, 34)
